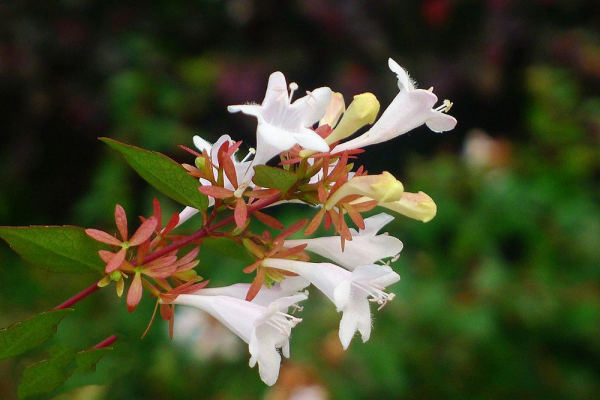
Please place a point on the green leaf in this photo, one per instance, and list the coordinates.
(164, 174)
(47, 375)
(274, 178)
(31, 333)
(229, 248)
(87, 359)
(55, 248)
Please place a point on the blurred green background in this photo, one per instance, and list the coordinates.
(500, 293)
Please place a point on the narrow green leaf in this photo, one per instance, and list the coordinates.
(47, 375)
(164, 174)
(274, 178)
(55, 248)
(31, 333)
(87, 359)
(229, 248)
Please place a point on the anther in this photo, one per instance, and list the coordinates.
(293, 87)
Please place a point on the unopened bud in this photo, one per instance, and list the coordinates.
(383, 188)
(362, 111)
(414, 205)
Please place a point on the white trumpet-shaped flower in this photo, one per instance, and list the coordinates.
(265, 328)
(349, 291)
(366, 246)
(281, 123)
(290, 286)
(409, 109)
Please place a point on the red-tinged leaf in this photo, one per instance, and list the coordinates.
(250, 268)
(56, 248)
(327, 221)
(355, 216)
(285, 253)
(364, 206)
(191, 151)
(259, 194)
(142, 251)
(103, 237)
(240, 213)
(216, 191)
(121, 221)
(186, 267)
(144, 231)
(30, 333)
(339, 168)
(322, 193)
(229, 169)
(166, 311)
(188, 257)
(116, 261)
(159, 263)
(340, 224)
(166, 175)
(134, 295)
(290, 230)
(268, 220)
(256, 285)
(171, 224)
(315, 222)
(157, 212)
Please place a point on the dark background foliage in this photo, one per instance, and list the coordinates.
(499, 294)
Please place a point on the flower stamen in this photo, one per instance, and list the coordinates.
(293, 87)
(445, 107)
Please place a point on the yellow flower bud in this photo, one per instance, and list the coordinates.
(414, 205)
(362, 111)
(383, 188)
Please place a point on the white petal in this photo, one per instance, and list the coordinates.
(276, 90)
(237, 315)
(375, 223)
(441, 122)
(311, 140)
(312, 107)
(347, 329)
(362, 312)
(263, 349)
(186, 214)
(201, 144)
(404, 81)
(248, 109)
(341, 295)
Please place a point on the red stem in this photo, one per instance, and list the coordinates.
(79, 296)
(174, 246)
(106, 342)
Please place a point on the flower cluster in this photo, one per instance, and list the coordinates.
(314, 168)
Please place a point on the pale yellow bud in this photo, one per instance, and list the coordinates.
(334, 110)
(414, 205)
(362, 111)
(383, 188)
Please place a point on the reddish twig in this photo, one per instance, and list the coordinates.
(106, 342)
(79, 296)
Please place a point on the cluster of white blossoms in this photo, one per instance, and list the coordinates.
(357, 273)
